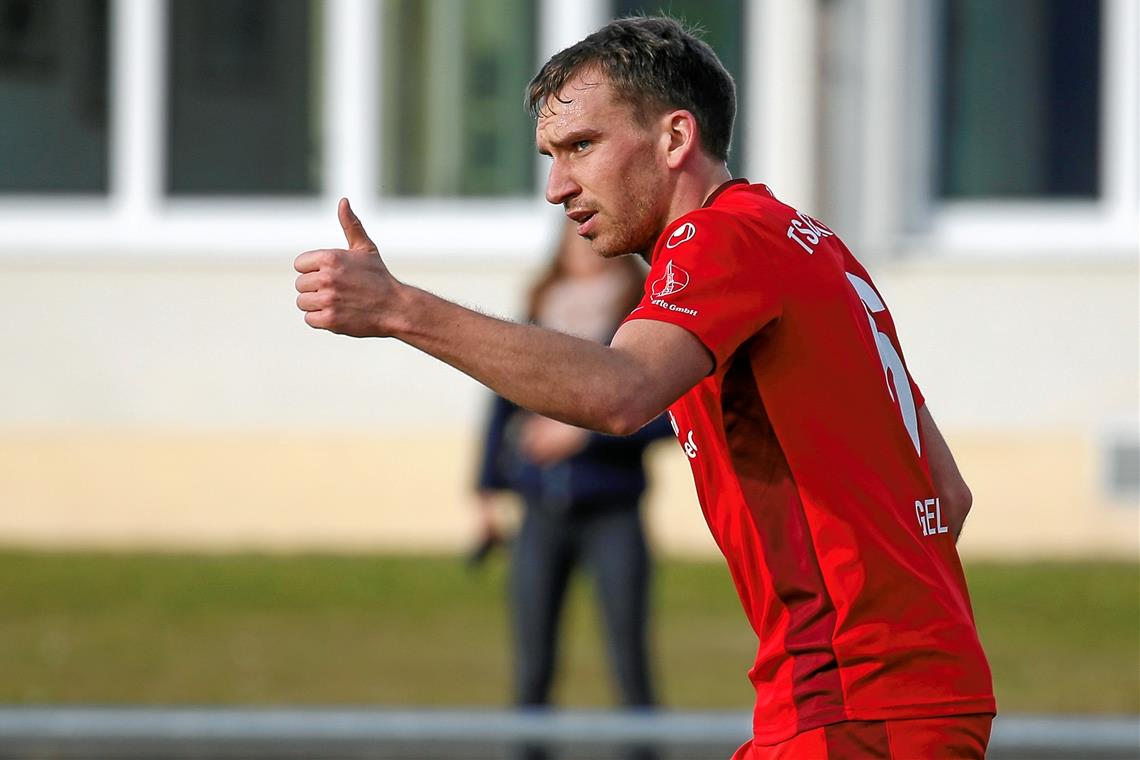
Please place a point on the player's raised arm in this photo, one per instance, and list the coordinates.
(613, 389)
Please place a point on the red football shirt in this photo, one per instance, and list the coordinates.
(811, 471)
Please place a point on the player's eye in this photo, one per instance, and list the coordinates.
(581, 145)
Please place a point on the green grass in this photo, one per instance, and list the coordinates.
(1061, 637)
(391, 630)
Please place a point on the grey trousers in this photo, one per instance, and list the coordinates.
(609, 542)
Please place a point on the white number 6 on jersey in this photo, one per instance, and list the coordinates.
(893, 370)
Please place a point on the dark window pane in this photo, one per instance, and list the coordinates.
(241, 97)
(1020, 99)
(53, 96)
(453, 118)
(722, 25)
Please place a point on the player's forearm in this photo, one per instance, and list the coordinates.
(955, 496)
(351, 292)
(556, 375)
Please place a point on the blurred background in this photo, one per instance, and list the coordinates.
(204, 501)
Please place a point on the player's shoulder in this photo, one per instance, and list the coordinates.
(720, 223)
(697, 225)
(704, 225)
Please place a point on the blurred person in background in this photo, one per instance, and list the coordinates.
(820, 470)
(581, 491)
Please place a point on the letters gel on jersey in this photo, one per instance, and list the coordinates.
(805, 448)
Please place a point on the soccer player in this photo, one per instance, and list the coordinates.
(820, 471)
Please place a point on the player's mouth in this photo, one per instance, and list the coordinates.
(585, 219)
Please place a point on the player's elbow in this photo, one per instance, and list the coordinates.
(630, 396)
(621, 424)
(960, 498)
(957, 500)
(625, 414)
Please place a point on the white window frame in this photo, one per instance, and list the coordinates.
(1104, 227)
(136, 218)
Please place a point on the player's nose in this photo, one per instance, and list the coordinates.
(560, 185)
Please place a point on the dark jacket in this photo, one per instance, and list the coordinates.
(607, 472)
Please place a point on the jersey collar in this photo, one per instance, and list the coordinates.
(737, 182)
(725, 186)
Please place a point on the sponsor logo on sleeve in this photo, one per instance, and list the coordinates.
(682, 234)
(673, 281)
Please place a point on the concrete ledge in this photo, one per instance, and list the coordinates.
(322, 732)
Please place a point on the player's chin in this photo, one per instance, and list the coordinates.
(615, 248)
(607, 246)
(596, 242)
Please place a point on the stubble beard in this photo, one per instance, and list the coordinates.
(619, 241)
(635, 228)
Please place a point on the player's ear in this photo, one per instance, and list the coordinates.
(680, 128)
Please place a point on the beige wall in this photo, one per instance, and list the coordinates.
(178, 403)
(1034, 495)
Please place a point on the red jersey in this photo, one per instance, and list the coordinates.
(811, 471)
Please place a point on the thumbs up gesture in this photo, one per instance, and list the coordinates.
(347, 291)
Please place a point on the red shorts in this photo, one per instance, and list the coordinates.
(950, 737)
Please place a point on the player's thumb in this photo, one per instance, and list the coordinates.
(353, 230)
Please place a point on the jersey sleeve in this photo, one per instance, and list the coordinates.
(710, 277)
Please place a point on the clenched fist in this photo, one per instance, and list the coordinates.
(347, 291)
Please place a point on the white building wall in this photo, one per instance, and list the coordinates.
(188, 405)
(160, 388)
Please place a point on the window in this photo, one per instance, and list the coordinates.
(1018, 127)
(722, 25)
(452, 115)
(241, 112)
(53, 75)
(1021, 101)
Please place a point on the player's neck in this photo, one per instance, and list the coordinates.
(718, 177)
(696, 184)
